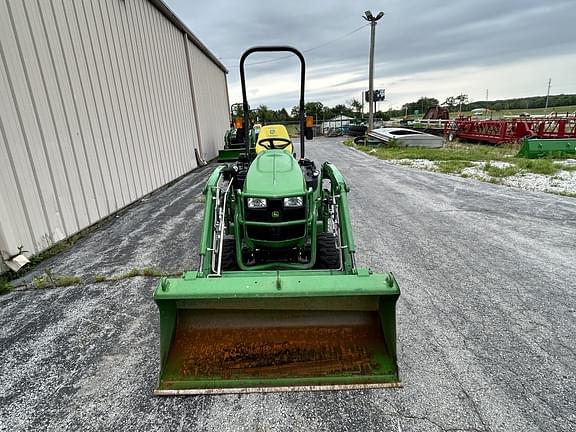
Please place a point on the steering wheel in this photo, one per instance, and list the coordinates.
(268, 143)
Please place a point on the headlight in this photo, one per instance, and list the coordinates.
(256, 203)
(294, 202)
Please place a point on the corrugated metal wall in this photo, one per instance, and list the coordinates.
(210, 95)
(97, 110)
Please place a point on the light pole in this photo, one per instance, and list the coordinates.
(372, 19)
(547, 95)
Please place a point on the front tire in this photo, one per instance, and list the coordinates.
(229, 262)
(327, 254)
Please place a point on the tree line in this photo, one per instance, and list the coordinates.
(462, 102)
(353, 107)
(320, 112)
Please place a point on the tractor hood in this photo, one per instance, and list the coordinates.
(274, 173)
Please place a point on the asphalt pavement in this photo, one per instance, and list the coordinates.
(486, 319)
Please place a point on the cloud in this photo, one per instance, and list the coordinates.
(439, 47)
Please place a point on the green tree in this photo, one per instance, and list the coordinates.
(282, 115)
(314, 109)
(339, 109)
(356, 105)
(462, 100)
(262, 113)
(450, 102)
(421, 105)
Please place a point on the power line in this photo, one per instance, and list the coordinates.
(306, 50)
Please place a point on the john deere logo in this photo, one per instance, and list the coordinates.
(275, 214)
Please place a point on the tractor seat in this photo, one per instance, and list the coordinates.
(274, 137)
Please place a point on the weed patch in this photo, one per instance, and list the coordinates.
(566, 167)
(495, 171)
(452, 152)
(453, 166)
(50, 280)
(537, 166)
(100, 278)
(133, 272)
(5, 286)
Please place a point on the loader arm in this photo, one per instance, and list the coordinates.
(339, 192)
(207, 227)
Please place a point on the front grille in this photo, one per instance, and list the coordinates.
(276, 233)
(272, 233)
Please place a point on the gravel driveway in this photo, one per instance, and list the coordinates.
(486, 320)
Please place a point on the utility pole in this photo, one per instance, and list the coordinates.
(547, 95)
(372, 19)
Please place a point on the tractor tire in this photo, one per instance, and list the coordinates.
(229, 262)
(327, 254)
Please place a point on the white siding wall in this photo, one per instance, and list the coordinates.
(96, 111)
(211, 101)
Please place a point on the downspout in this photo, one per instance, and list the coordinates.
(199, 152)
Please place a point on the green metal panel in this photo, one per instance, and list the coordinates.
(274, 173)
(229, 155)
(207, 233)
(277, 284)
(534, 148)
(340, 190)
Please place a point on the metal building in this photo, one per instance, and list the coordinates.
(101, 103)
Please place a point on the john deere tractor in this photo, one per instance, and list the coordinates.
(234, 138)
(277, 302)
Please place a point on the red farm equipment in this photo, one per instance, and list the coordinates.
(511, 130)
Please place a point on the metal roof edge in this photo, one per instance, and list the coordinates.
(168, 13)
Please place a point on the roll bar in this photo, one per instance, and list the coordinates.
(272, 48)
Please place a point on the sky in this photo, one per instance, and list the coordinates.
(432, 48)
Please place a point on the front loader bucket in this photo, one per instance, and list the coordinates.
(277, 331)
(535, 147)
(229, 155)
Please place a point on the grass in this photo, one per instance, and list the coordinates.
(453, 166)
(146, 271)
(5, 286)
(566, 167)
(55, 249)
(537, 166)
(500, 172)
(456, 156)
(133, 272)
(452, 152)
(100, 278)
(49, 280)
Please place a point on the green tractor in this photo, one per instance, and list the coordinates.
(234, 138)
(277, 302)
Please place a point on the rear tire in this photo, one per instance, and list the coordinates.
(327, 254)
(229, 262)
